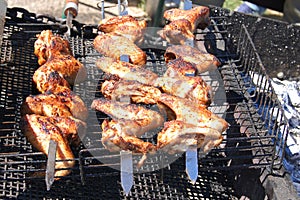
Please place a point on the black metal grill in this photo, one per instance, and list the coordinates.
(252, 142)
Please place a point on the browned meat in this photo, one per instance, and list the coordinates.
(179, 67)
(146, 118)
(52, 105)
(126, 26)
(192, 113)
(115, 138)
(48, 44)
(178, 136)
(69, 67)
(40, 129)
(126, 70)
(177, 32)
(192, 88)
(135, 91)
(47, 79)
(197, 16)
(200, 60)
(114, 46)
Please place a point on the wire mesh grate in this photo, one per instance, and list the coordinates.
(249, 144)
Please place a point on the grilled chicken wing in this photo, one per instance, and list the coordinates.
(40, 129)
(202, 61)
(178, 136)
(192, 88)
(126, 26)
(114, 46)
(179, 67)
(126, 70)
(48, 44)
(52, 105)
(47, 79)
(135, 91)
(177, 32)
(197, 16)
(117, 135)
(146, 118)
(193, 113)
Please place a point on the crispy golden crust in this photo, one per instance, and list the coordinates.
(197, 16)
(177, 32)
(47, 79)
(126, 70)
(146, 118)
(48, 44)
(52, 105)
(135, 91)
(191, 88)
(178, 136)
(179, 67)
(39, 130)
(115, 138)
(200, 60)
(126, 26)
(114, 46)
(195, 114)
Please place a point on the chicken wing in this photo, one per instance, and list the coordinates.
(192, 88)
(193, 113)
(126, 70)
(177, 137)
(117, 135)
(52, 105)
(126, 26)
(177, 32)
(197, 16)
(40, 129)
(179, 67)
(113, 45)
(135, 91)
(69, 67)
(48, 44)
(46, 79)
(202, 61)
(146, 118)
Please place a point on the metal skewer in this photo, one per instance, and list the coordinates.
(50, 169)
(126, 156)
(70, 11)
(191, 155)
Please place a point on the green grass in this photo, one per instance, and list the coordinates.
(231, 4)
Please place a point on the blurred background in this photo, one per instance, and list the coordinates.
(89, 13)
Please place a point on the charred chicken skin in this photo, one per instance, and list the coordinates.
(177, 32)
(117, 135)
(126, 26)
(195, 114)
(191, 88)
(178, 136)
(179, 67)
(48, 44)
(135, 91)
(113, 45)
(47, 79)
(147, 119)
(126, 70)
(63, 130)
(52, 105)
(197, 16)
(200, 60)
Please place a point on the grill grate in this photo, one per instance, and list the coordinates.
(252, 142)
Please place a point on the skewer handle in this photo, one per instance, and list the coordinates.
(72, 7)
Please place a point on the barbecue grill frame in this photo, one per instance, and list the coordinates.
(20, 159)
